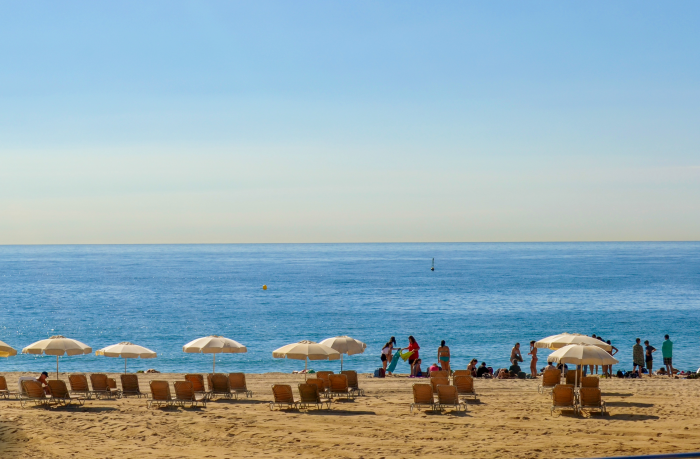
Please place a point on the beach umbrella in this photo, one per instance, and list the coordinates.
(57, 345)
(214, 344)
(306, 350)
(6, 350)
(564, 339)
(345, 345)
(582, 354)
(127, 350)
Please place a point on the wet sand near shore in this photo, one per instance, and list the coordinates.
(508, 419)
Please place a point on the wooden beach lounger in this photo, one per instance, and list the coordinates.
(590, 381)
(79, 385)
(33, 392)
(309, 396)
(563, 398)
(324, 376)
(184, 394)
(550, 378)
(198, 383)
(238, 385)
(571, 377)
(219, 386)
(160, 394)
(353, 383)
(283, 396)
(422, 396)
(465, 386)
(60, 394)
(449, 397)
(461, 373)
(590, 399)
(339, 386)
(130, 386)
(4, 390)
(101, 387)
(318, 382)
(437, 381)
(440, 374)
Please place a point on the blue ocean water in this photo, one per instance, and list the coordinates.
(481, 299)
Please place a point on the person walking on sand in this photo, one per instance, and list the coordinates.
(412, 346)
(667, 353)
(638, 357)
(533, 363)
(649, 356)
(443, 355)
(515, 353)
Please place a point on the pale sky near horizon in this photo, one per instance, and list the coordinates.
(189, 122)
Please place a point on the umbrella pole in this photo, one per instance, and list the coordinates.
(214, 369)
(306, 365)
(124, 365)
(341, 362)
(56, 367)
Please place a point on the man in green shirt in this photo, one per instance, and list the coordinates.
(667, 353)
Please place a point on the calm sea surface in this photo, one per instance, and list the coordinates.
(481, 299)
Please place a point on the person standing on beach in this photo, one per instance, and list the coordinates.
(387, 352)
(515, 353)
(414, 347)
(649, 357)
(443, 355)
(667, 353)
(638, 357)
(612, 352)
(533, 363)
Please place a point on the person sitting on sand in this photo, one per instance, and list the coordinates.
(514, 369)
(471, 368)
(482, 372)
(661, 371)
(43, 381)
(433, 367)
(419, 373)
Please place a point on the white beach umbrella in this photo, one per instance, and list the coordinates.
(345, 345)
(127, 350)
(214, 344)
(6, 350)
(57, 345)
(306, 350)
(582, 354)
(564, 339)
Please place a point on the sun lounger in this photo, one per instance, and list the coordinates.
(309, 396)
(33, 392)
(283, 396)
(448, 397)
(318, 382)
(465, 386)
(198, 383)
(353, 383)
(456, 373)
(101, 387)
(422, 396)
(563, 398)
(590, 399)
(79, 385)
(219, 386)
(571, 377)
(60, 394)
(440, 374)
(324, 376)
(130, 386)
(185, 394)
(590, 381)
(160, 394)
(339, 386)
(238, 385)
(439, 380)
(550, 378)
(4, 390)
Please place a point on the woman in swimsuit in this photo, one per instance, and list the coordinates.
(387, 351)
(443, 355)
(471, 368)
(533, 363)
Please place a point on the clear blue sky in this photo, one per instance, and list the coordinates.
(140, 122)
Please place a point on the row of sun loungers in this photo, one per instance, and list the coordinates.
(317, 392)
(580, 392)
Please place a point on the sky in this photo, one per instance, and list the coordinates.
(394, 121)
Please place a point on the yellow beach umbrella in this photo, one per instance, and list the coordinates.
(6, 350)
(345, 345)
(306, 350)
(214, 344)
(57, 345)
(127, 350)
(564, 339)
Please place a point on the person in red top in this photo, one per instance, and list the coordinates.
(42, 380)
(412, 346)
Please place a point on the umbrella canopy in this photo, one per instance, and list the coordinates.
(214, 344)
(57, 345)
(6, 350)
(127, 350)
(345, 345)
(582, 354)
(564, 339)
(306, 350)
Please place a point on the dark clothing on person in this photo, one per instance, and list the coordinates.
(481, 371)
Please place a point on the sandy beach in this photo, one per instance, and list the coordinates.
(509, 419)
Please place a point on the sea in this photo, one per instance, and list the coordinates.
(481, 299)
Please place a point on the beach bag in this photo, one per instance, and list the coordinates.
(379, 373)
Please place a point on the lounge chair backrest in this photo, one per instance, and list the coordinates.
(352, 378)
(461, 373)
(283, 393)
(447, 395)
(184, 390)
(440, 374)
(33, 389)
(324, 376)
(219, 383)
(160, 390)
(197, 382)
(438, 380)
(78, 383)
(308, 393)
(571, 377)
(339, 383)
(237, 381)
(590, 381)
(590, 396)
(111, 383)
(551, 377)
(99, 382)
(563, 395)
(3, 383)
(464, 384)
(58, 388)
(130, 383)
(318, 382)
(423, 394)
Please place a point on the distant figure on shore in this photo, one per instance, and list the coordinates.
(443, 355)
(42, 380)
(412, 347)
(533, 363)
(638, 357)
(667, 353)
(649, 356)
(612, 352)
(471, 368)
(387, 352)
(417, 370)
(515, 353)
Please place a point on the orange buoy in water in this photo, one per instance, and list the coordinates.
(264, 287)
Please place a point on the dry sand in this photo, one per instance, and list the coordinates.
(509, 419)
